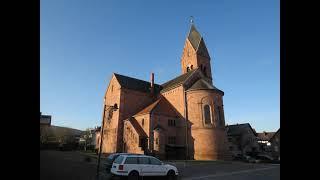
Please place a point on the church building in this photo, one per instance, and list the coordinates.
(180, 119)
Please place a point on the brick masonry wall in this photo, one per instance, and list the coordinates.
(207, 141)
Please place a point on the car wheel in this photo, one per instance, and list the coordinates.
(171, 175)
(134, 175)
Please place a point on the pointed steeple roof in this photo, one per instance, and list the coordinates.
(197, 42)
(194, 37)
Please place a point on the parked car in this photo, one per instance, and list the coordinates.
(134, 166)
(110, 160)
(264, 159)
(250, 159)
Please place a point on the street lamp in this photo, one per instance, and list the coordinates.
(113, 108)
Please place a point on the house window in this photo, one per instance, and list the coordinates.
(142, 122)
(191, 66)
(207, 114)
(171, 140)
(157, 141)
(171, 122)
(188, 69)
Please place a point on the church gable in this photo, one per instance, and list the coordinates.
(113, 86)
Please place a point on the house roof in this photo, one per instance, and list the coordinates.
(275, 134)
(149, 108)
(265, 136)
(177, 81)
(197, 42)
(136, 84)
(238, 129)
(202, 84)
(161, 106)
(137, 127)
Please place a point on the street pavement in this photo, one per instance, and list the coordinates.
(69, 165)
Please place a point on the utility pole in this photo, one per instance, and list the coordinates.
(113, 108)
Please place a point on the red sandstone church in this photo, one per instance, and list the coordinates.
(181, 119)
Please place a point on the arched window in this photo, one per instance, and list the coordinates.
(191, 66)
(142, 122)
(188, 69)
(207, 114)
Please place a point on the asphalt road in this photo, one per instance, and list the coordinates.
(71, 165)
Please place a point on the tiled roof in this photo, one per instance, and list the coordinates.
(265, 136)
(275, 134)
(202, 84)
(136, 84)
(176, 81)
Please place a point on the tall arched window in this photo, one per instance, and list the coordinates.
(188, 69)
(207, 114)
(191, 66)
(142, 122)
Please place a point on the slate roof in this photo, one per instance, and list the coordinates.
(149, 108)
(238, 129)
(136, 84)
(202, 84)
(176, 81)
(137, 127)
(194, 37)
(161, 106)
(197, 42)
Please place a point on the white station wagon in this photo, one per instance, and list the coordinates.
(134, 166)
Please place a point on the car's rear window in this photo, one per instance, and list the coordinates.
(118, 160)
(111, 156)
(131, 160)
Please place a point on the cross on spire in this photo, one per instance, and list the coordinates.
(191, 19)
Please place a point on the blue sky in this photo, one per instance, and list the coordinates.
(82, 42)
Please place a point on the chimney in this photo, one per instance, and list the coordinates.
(152, 83)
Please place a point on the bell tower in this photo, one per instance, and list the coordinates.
(195, 54)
